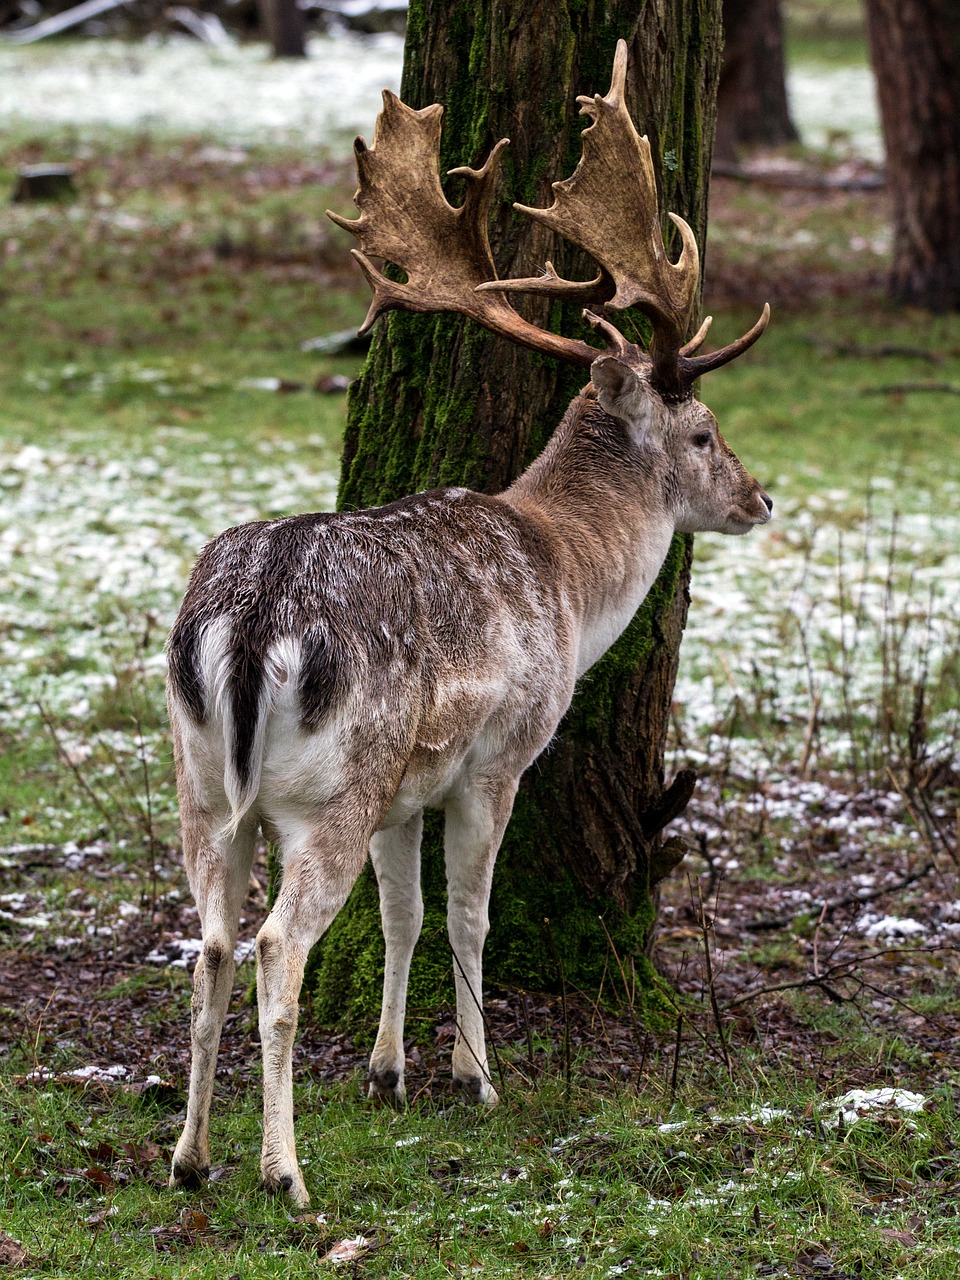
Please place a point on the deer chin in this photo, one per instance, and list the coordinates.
(739, 522)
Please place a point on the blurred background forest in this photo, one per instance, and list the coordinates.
(177, 320)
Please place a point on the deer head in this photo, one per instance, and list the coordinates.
(703, 483)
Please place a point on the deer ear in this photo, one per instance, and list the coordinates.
(618, 387)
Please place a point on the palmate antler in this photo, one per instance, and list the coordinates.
(608, 207)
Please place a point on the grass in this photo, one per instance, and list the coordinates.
(168, 283)
(551, 1184)
(131, 319)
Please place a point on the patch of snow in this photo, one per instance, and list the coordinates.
(237, 94)
(890, 927)
(757, 1115)
(100, 1074)
(857, 1103)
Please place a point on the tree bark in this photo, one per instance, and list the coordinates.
(752, 106)
(285, 28)
(441, 401)
(915, 47)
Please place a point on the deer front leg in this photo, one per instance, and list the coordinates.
(475, 821)
(218, 869)
(395, 853)
(317, 878)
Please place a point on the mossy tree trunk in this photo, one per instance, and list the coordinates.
(441, 401)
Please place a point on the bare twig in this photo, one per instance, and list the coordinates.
(705, 926)
(840, 970)
(558, 960)
(527, 1028)
(816, 941)
(859, 351)
(807, 181)
(809, 735)
(628, 991)
(483, 1019)
(64, 757)
(676, 1057)
(148, 815)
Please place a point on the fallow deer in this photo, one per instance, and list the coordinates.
(331, 675)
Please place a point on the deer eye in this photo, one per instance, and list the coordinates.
(702, 439)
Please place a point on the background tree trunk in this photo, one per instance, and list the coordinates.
(752, 106)
(284, 26)
(441, 401)
(915, 46)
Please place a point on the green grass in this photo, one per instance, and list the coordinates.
(825, 32)
(166, 284)
(551, 1184)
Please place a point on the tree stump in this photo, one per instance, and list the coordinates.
(37, 182)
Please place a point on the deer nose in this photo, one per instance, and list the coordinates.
(767, 501)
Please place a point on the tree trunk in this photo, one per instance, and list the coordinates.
(441, 401)
(752, 107)
(915, 46)
(283, 24)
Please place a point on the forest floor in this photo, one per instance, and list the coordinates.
(810, 938)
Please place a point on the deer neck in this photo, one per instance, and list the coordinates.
(601, 500)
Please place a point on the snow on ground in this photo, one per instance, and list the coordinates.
(176, 84)
(832, 105)
(95, 547)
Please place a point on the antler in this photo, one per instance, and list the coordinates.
(406, 219)
(608, 207)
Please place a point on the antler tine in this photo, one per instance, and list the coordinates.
(597, 290)
(615, 339)
(405, 219)
(691, 367)
(698, 339)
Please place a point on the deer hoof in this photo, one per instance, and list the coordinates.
(187, 1175)
(288, 1184)
(478, 1091)
(386, 1087)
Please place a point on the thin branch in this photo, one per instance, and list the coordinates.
(705, 928)
(842, 969)
(859, 351)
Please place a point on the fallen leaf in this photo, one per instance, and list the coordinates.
(99, 1218)
(12, 1252)
(901, 1237)
(194, 1222)
(96, 1173)
(346, 1250)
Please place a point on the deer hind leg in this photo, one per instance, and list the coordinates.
(218, 868)
(320, 866)
(475, 821)
(395, 853)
